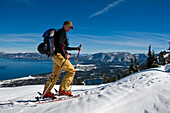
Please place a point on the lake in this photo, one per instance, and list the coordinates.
(16, 68)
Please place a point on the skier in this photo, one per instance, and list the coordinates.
(59, 57)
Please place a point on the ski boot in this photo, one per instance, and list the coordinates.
(63, 92)
(49, 95)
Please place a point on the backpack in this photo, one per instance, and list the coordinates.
(47, 46)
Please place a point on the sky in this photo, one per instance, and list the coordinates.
(99, 25)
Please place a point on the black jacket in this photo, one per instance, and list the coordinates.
(61, 43)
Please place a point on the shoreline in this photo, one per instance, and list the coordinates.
(38, 79)
(22, 81)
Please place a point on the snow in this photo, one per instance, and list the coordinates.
(89, 67)
(144, 92)
(166, 55)
(117, 66)
(167, 68)
(23, 78)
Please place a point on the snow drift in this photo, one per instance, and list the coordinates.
(144, 92)
(167, 68)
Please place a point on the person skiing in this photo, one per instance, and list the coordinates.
(59, 58)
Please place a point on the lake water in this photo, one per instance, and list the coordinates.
(16, 68)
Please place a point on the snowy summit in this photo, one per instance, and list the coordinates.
(144, 92)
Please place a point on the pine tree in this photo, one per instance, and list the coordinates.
(155, 60)
(93, 83)
(79, 81)
(132, 68)
(74, 82)
(138, 67)
(168, 59)
(113, 79)
(161, 58)
(150, 58)
(117, 78)
(120, 75)
(105, 78)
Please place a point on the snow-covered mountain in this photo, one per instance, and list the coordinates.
(110, 57)
(113, 57)
(35, 56)
(144, 92)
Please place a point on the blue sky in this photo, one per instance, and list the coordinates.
(100, 25)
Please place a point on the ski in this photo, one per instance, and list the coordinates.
(58, 99)
(40, 100)
(22, 103)
(33, 103)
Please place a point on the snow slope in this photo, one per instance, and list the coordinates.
(144, 92)
(167, 68)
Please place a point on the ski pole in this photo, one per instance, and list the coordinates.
(76, 64)
(77, 57)
(54, 77)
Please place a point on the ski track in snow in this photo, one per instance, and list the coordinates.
(144, 92)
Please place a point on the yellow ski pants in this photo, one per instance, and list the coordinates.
(58, 60)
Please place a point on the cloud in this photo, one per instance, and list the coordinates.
(113, 4)
(29, 37)
(127, 39)
(122, 41)
(27, 42)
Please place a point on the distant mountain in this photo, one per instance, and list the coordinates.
(97, 58)
(113, 57)
(35, 56)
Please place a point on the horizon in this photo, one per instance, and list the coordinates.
(73, 53)
(106, 26)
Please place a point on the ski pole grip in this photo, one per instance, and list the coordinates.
(80, 45)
